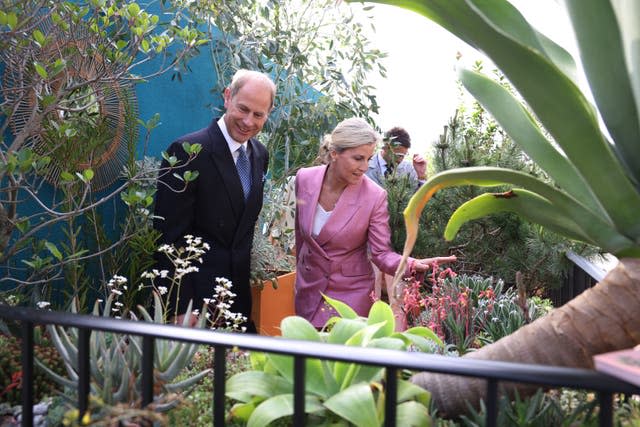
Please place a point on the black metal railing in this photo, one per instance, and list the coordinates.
(494, 372)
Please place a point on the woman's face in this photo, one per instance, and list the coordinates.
(351, 164)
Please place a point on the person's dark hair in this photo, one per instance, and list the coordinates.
(397, 136)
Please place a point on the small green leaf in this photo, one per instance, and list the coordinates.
(133, 9)
(42, 72)
(12, 21)
(39, 37)
(88, 174)
(66, 176)
(54, 250)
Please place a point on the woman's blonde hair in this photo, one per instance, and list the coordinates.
(349, 133)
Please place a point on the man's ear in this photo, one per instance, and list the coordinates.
(227, 97)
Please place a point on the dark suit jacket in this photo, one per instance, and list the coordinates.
(212, 207)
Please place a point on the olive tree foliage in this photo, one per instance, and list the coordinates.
(68, 117)
(319, 57)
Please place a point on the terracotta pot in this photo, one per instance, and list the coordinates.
(270, 305)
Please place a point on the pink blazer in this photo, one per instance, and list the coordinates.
(336, 262)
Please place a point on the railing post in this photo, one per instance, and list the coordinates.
(84, 378)
(492, 402)
(391, 399)
(147, 369)
(219, 375)
(298, 391)
(27, 374)
(606, 409)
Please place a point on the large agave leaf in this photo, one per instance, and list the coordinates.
(603, 58)
(592, 226)
(180, 386)
(525, 203)
(628, 13)
(554, 98)
(63, 381)
(355, 404)
(517, 122)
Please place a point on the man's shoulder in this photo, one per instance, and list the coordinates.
(406, 168)
(201, 136)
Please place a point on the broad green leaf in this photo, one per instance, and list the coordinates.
(298, 328)
(424, 332)
(412, 414)
(242, 411)
(344, 329)
(343, 309)
(244, 386)
(381, 313)
(518, 123)
(280, 406)
(603, 59)
(409, 391)
(355, 404)
(344, 372)
(528, 205)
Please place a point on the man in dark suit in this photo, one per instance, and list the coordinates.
(219, 206)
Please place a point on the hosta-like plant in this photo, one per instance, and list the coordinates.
(592, 156)
(337, 393)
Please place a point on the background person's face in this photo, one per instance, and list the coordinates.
(248, 110)
(394, 154)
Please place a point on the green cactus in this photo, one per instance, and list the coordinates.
(115, 362)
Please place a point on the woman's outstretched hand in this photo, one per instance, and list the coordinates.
(424, 264)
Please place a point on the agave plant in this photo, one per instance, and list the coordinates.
(337, 392)
(115, 361)
(594, 165)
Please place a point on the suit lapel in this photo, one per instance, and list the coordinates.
(344, 211)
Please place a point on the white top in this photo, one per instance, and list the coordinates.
(319, 220)
(232, 143)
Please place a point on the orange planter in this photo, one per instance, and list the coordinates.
(270, 305)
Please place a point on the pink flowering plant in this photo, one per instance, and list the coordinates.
(466, 312)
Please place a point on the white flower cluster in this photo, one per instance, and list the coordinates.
(218, 307)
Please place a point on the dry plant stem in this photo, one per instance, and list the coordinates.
(568, 336)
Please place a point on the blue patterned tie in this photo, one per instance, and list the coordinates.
(244, 170)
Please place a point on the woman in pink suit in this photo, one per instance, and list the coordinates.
(342, 224)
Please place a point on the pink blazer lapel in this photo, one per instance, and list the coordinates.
(345, 209)
(308, 201)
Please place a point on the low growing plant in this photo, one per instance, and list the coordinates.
(336, 392)
(467, 311)
(115, 359)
